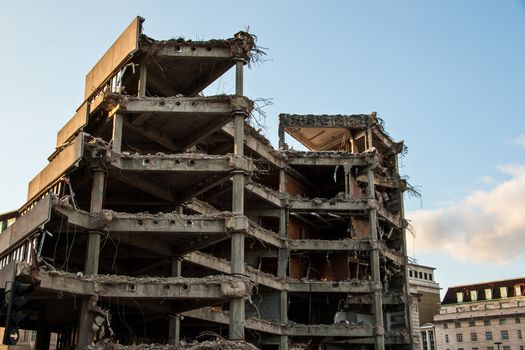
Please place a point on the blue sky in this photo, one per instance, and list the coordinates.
(446, 76)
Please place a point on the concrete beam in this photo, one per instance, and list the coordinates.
(399, 337)
(257, 146)
(388, 182)
(223, 266)
(331, 330)
(326, 245)
(328, 205)
(318, 330)
(185, 51)
(395, 257)
(356, 286)
(187, 163)
(113, 286)
(329, 158)
(263, 192)
(393, 219)
(222, 317)
(161, 223)
(201, 207)
(354, 121)
(266, 236)
(216, 106)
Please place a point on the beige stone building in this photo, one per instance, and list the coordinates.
(424, 291)
(484, 316)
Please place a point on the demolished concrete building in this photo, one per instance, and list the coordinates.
(164, 217)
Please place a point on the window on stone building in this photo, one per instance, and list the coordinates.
(472, 323)
(488, 294)
(519, 334)
(488, 335)
(502, 320)
(446, 338)
(457, 324)
(490, 348)
(506, 347)
(473, 336)
(430, 276)
(426, 276)
(486, 322)
(459, 338)
(431, 339)
(517, 320)
(445, 325)
(475, 349)
(459, 297)
(410, 273)
(504, 335)
(521, 347)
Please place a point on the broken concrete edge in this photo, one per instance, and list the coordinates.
(290, 328)
(217, 344)
(235, 103)
(93, 221)
(230, 285)
(367, 155)
(242, 45)
(95, 146)
(353, 121)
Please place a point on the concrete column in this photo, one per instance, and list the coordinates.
(85, 331)
(43, 335)
(283, 343)
(237, 306)
(116, 137)
(408, 313)
(282, 142)
(284, 254)
(93, 244)
(143, 75)
(375, 267)
(174, 320)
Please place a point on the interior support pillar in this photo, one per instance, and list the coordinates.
(116, 137)
(143, 75)
(284, 254)
(375, 267)
(93, 244)
(237, 306)
(174, 320)
(406, 288)
(43, 335)
(85, 329)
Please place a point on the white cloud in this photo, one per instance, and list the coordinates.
(485, 226)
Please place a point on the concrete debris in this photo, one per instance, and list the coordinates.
(216, 344)
(236, 284)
